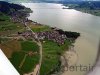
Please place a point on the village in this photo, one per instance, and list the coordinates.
(38, 42)
(52, 35)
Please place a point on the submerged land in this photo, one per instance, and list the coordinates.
(31, 47)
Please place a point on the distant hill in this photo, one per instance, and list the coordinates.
(9, 8)
(53, 1)
(90, 5)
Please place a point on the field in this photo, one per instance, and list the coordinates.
(9, 47)
(40, 28)
(29, 46)
(16, 59)
(22, 60)
(18, 54)
(7, 26)
(28, 64)
(51, 55)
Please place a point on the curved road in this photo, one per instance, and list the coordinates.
(40, 46)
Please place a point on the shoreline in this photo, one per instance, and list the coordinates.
(83, 48)
(94, 12)
(78, 44)
(71, 48)
(62, 56)
(60, 38)
(61, 69)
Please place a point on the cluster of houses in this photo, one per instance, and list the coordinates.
(52, 35)
(26, 34)
(17, 17)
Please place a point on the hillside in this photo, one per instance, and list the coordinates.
(9, 8)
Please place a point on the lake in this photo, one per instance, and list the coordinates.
(88, 25)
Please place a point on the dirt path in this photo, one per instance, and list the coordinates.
(40, 61)
(36, 71)
(21, 64)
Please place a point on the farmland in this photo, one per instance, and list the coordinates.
(18, 54)
(51, 56)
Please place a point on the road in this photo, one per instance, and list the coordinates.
(37, 69)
